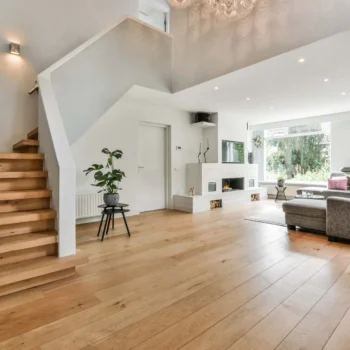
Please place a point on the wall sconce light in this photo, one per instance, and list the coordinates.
(15, 49)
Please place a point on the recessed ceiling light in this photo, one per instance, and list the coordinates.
(343, 93)
(216, 88)
(272, 107)
(248, 98)
(326, 80)
(301, 60)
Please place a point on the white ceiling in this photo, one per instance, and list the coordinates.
(293, 89)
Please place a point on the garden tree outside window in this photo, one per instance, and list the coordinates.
(300, 153)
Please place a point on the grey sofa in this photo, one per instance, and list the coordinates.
(331, 216)
(306, 213)
(338, 218)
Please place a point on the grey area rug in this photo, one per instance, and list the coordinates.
(273, 216)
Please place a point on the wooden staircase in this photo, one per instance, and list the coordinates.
(28, 240)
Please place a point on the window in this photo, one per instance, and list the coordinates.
(300, 152)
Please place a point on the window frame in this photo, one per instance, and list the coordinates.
(311, 133)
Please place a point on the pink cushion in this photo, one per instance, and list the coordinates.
(338, 184)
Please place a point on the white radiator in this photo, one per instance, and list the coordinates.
(87, 203)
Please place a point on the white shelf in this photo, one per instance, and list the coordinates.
(204, 125)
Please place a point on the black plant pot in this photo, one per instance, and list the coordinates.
(250, 158)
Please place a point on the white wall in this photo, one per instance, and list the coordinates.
(340, 140)
(211, 135)
(118, 129)
(154, 18)
(153, 13)
(92, 78)
(46, 30)
(232, 128)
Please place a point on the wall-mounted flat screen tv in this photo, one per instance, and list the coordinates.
(232, 152)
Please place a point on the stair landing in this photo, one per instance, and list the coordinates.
(36, 272)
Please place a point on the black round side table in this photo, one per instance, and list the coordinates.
(109, 212)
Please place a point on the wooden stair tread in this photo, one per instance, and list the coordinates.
(26, 143)
(33, 135)
(29, 269)
(21, 156)
(26, 241)
(22, 174)
(26, 216)
(24, 194)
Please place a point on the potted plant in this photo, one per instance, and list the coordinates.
(258, 141)
(281, 181)
(107, 177)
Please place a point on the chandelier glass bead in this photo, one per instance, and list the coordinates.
(231, 8)
(180, 3)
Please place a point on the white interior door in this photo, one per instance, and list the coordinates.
(152, 167)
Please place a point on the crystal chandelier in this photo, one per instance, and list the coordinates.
(231, 8)
(180, 3)
(228, 9)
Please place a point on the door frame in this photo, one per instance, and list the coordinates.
(167, 160)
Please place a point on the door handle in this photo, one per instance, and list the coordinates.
(141, 167)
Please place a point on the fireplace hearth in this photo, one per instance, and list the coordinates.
(233, 184)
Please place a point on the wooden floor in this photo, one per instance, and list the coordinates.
(193, 282)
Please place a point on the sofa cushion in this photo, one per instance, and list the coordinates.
(306, 207)
(338, 183)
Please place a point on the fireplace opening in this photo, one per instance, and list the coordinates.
(234, 184)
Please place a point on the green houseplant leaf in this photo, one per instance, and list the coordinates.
(107, 177)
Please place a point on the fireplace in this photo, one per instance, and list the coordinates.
(234, 184)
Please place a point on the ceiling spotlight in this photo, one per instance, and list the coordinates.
(272, 107)
(343, 93)
(301, 60)
(15, 49)
(248, 98)
(326, 80)
(216, 88)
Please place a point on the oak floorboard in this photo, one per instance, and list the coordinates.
(229, 330)
(270, 332)
(243, 304)
(318, 325)
(340, 339)
(205, 281)
(97, 330)
(155, 323)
